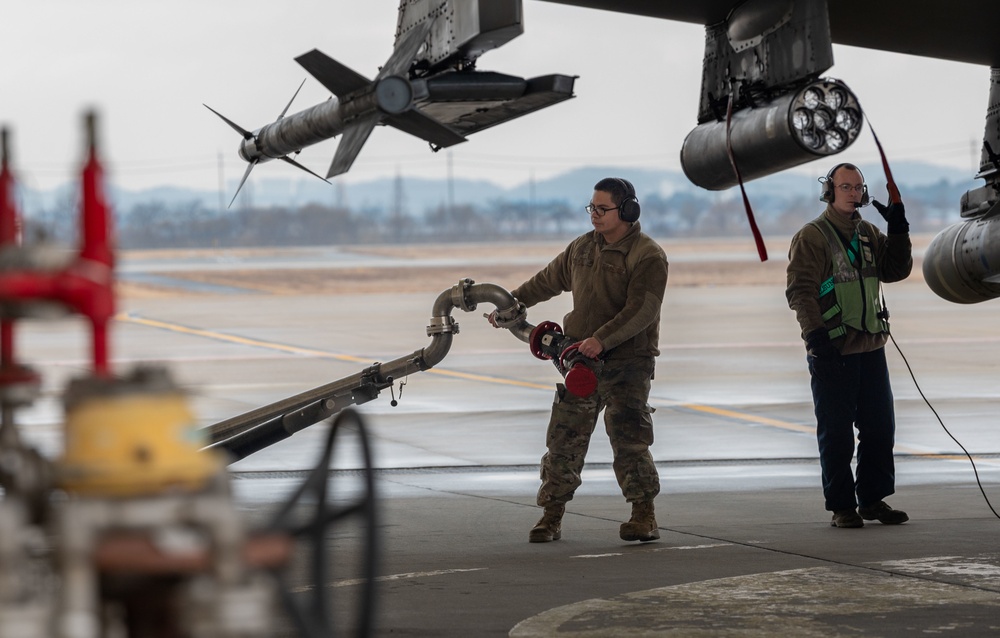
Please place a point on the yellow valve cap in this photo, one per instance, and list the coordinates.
(134, 443)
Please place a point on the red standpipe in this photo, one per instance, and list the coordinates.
(87, 285)
(95, 265)
(9, 219)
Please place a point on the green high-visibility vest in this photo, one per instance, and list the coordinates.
(854, 284)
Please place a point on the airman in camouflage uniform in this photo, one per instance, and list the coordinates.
(617, 276)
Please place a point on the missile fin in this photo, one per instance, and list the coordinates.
(350, 145)
(236, 127)
(243, 181)
(425, 127)
(406, 50)
(294, 95)
(337, 78)
(297, 165)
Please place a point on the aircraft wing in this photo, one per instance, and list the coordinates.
(960, 30)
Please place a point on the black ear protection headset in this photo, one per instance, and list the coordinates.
(828, 195)
(628, 209)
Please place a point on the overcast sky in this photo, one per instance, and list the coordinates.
(147, 67)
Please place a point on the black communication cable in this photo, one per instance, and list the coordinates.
(936, 415)
(894, 197)
(943, 427)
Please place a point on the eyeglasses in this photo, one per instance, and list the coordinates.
(600, 212)
(847, 188)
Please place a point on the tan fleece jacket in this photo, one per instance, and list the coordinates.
(617, 291)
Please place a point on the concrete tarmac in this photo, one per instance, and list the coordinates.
(746, 548)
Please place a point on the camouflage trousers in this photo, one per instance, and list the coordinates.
(623, 393)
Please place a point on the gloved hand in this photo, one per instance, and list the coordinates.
(895, 215)
(824, 358)
(507, 317)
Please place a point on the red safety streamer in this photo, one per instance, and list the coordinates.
(761, 249)
(890, 183)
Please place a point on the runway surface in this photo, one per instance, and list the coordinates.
(746, 547)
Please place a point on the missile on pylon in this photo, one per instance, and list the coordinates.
(429, 88)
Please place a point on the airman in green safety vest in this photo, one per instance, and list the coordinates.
(836, 265)
(850, 296)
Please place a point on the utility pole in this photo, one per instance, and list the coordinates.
(397, 196)
(531, 187)
(532, 213)
(222, 187)
(451, 188)
(339, 196)
(396, 216)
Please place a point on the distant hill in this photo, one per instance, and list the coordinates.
(419, 195)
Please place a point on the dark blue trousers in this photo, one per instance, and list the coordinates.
(858, 397)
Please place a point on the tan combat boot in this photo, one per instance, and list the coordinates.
(642, 525)
(549, 527)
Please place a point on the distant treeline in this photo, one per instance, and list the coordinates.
(156, 225)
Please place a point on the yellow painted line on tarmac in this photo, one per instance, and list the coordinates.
(487, 379)
(742, 416)
(946, 457)
(219, 336)
(809, 429)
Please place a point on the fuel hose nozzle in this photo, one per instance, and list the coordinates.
(547, 341)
